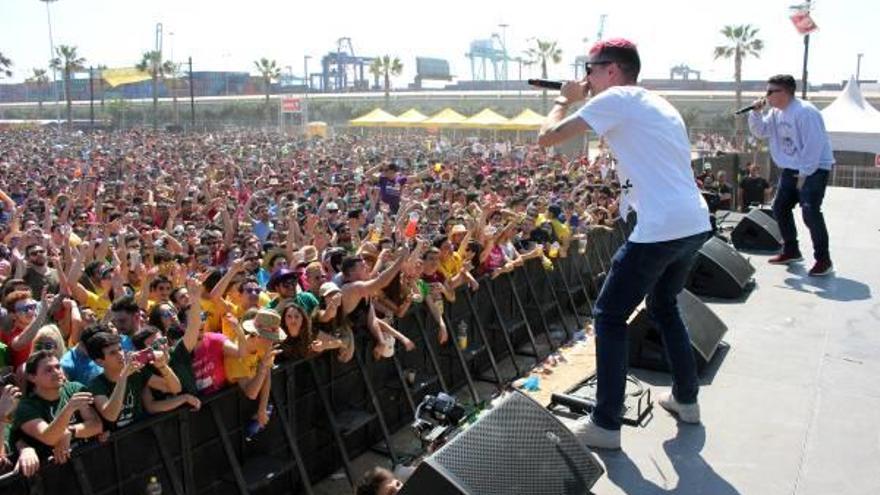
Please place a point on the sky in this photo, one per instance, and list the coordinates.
(230, 35)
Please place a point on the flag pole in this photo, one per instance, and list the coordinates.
(806, 56)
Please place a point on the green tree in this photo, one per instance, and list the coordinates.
(385, 67)
(5, 66)
(171, 73)
(68, 61)
(544, 53)
(741, 42)
(269, 72)
(40, 79)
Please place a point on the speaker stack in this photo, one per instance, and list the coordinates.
(720, 271)
(517, 447)
(757, 231)
(704, 327)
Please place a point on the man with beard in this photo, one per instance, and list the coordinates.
(38, 274)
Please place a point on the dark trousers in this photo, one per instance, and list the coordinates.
(810, 198)
(657, 271)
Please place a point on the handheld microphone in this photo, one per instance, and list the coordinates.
(747, 109)
(544, 83)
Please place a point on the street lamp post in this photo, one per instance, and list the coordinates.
(54, 70)
(859, 65)
(305, 108)
(503, 27)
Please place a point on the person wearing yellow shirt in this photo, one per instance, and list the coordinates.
(253, 372)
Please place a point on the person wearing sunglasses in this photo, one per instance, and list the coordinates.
(800, 146)
(38, 273)
(648, 137)
(27, 318)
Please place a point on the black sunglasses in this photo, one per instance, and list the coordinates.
(588, 68)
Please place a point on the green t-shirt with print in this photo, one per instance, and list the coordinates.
(132, 404)
(35, 407)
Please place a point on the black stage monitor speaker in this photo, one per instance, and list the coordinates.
(516, 448)
(757, 231)
(720, 271)
(704, 327)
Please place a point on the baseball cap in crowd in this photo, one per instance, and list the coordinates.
(266, 324)
(332, 206)
(458, 229)
(328, 288)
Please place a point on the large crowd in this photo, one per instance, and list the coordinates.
(142, 272)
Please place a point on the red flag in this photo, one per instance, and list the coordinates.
(803, 22)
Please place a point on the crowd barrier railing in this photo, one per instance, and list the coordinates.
(327, 412)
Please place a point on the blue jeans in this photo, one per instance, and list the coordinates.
(810, 198)
(659, 272)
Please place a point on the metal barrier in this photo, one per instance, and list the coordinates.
(327, 412)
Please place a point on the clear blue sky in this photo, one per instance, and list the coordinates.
(223, 34)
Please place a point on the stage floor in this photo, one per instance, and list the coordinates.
(791, 407)
(794, 405)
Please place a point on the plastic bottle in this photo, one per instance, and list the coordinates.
(462, 336)
(253, 426)
(154, 487)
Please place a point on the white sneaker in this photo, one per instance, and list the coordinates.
(689, 413)
(594, 436)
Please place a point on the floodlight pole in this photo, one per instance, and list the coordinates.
(806, 56)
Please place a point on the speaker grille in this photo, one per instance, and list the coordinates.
(518, 448)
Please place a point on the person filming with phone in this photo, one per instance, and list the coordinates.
(800, 146)
(122, 392)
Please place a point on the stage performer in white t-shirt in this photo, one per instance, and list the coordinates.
(648, 137)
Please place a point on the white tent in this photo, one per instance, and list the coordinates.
(852, 123)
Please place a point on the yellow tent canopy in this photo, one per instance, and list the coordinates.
(410, 118)
(444, 118)
(527, 120)
(124, 75)
(485, 119)
(376, 118)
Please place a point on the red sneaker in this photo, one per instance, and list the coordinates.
(822, 269)
(784, 259)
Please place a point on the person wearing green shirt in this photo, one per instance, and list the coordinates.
(55, 413)
(122, 392)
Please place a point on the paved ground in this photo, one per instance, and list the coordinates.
(793, 406)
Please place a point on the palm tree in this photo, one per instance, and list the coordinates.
(386, 67)
(742, 42)
(68, 62)
(270, 72)
(151, 62)
(5, 65)
(41, 80)
(544, 53)
(170, 72)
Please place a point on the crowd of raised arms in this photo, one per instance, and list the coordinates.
(142, 271)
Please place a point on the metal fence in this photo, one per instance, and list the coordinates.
(327, 412)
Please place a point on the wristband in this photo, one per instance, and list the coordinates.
(561, 102)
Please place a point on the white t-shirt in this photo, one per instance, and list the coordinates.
(649, 139)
